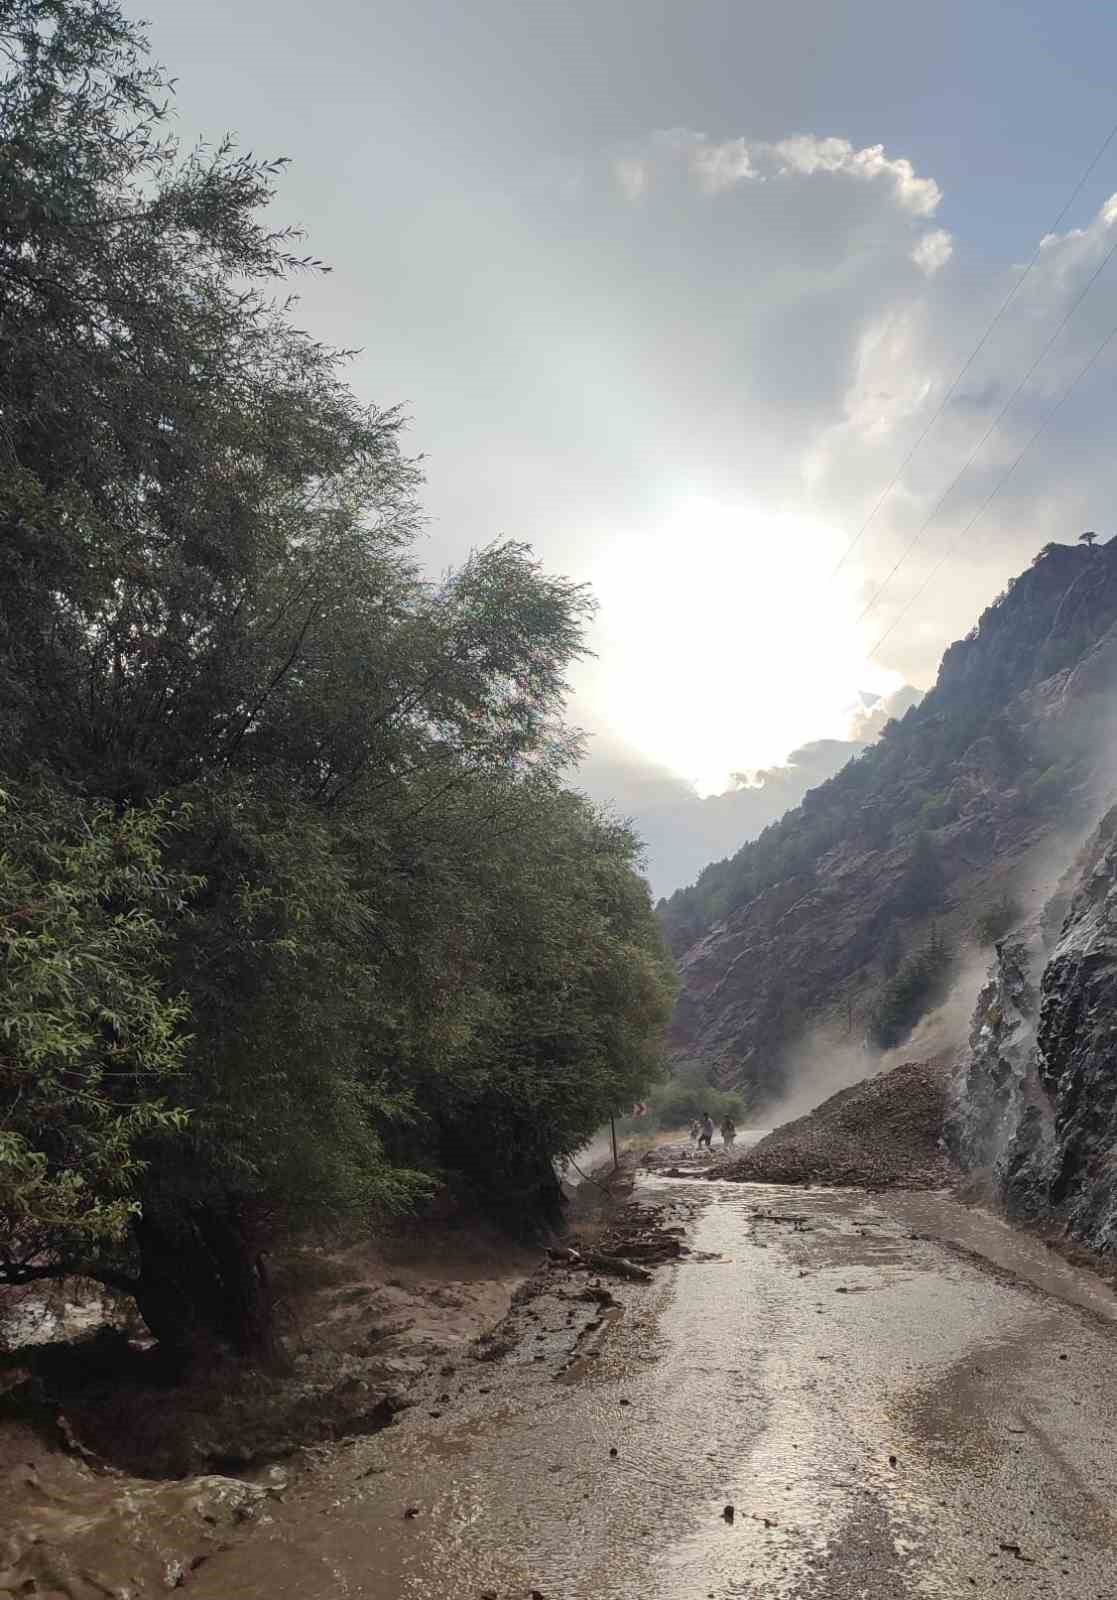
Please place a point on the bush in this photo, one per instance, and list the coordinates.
(922, 980)
(684, 1097)
(996, 920)
(922, 885)
(937, 811)
(1045, 793)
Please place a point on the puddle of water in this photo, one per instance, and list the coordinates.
(994, 1240)
(846, 1428)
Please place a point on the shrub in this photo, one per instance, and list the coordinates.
(684, 1096)
(996, 920)
(922, 980)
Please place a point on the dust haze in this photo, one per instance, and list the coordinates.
(829, 1058)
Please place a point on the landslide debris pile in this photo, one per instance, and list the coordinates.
(883, 1133)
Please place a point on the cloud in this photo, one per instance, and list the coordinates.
(806, 154)
(632, 174)
(720, 166)
(682, 832)
(868, 721)
(697, 401)
(933, 251)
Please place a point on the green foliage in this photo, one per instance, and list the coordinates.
(900, 787)
(402, 945)
(684, 1097)
(91, 1042)
(937, 811)
(891, 951)
(996, 920)
(920, 890)
(545, 990)
(1046, 791)
(921, 981)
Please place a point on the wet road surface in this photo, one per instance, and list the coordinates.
(896, 1396)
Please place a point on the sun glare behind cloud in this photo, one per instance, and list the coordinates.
(724, 641)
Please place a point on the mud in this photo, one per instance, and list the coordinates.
(362, 1328)
(888, 1411)
(73, 1531)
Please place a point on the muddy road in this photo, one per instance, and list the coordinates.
(895, 1396)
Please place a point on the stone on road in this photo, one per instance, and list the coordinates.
(896, 1397)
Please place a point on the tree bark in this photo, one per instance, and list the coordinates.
(204, 1287)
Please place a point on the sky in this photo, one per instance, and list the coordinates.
(672, 291)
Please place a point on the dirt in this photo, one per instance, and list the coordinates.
(88, 1426)
(885, 1416)
(75, 1530)
(780, 1361)
(359, 1326)
(883, 1133)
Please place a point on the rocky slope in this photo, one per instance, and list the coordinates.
(962, 805)
(1034, 1106)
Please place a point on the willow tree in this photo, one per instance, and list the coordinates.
(92, 1044)
(209, 606)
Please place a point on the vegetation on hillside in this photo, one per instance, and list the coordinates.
(903, 790)
(997, 920)
(919, 983)
(297, 914)
(683, 1098)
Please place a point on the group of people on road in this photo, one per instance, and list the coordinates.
(702, 1131)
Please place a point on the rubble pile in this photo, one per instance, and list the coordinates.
(880, 1134)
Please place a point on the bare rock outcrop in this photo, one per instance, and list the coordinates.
(1034, 1106)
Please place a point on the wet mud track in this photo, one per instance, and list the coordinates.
(895, 1399)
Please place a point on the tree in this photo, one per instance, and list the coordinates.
(91, 1043)
(1088, 539)
(891, 951)
(539, 1006)
(996, 920)
(922, 885)
(392, 928)
(920, 983)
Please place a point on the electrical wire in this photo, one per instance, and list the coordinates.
(974, 353)
(991, 429)
(991, 496)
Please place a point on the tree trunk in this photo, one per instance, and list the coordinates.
(204, 1285)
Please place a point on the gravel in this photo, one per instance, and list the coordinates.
(880, 1134)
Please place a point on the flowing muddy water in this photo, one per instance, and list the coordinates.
(887, 1414)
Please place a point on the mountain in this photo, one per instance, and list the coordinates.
(683, 830)
(1035, 1101)
(853, 912)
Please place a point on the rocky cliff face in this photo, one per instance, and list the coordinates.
(1003, 765)
(1034, 1106)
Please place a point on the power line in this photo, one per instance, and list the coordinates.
(974, 353)
(975, 452)
(997, 487)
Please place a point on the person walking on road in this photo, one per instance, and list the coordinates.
(728, 1131)
(707, 1134)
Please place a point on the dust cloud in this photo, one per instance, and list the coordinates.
(829, 1058)
(591, 1155)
